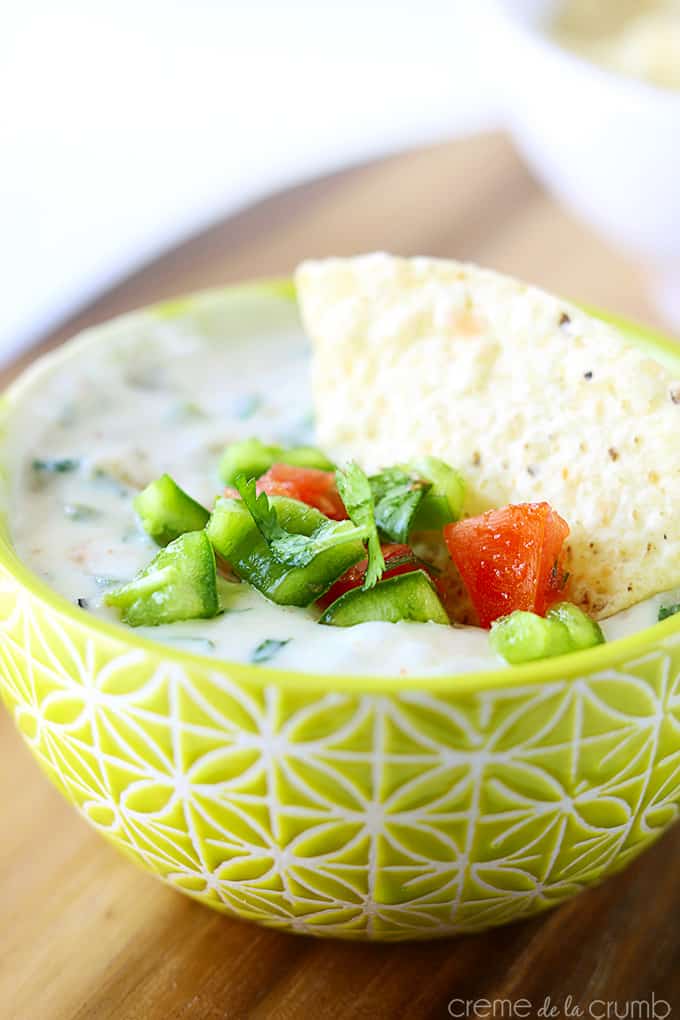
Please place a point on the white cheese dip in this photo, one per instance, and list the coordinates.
(149, 395)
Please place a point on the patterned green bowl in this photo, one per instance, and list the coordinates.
(353, 807)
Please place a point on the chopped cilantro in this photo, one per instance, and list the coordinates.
(267, 649)
(397, 495)
(56, 465)
(355, 492)
(666, 611)
(289, 549)
(260, 509)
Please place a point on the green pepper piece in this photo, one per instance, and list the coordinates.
(584, 632)
(406, 597)
(167, 511)
(249, 457)
(306, 457)
(236, 537)
(180, 583)
(525, 637)
(444, 502)
(252, 458)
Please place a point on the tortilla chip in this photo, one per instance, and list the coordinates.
(530, 397)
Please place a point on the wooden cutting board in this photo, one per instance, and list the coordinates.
(85, 935)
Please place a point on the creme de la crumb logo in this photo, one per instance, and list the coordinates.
(651, 1008)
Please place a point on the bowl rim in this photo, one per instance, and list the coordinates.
(630, 86)
(595, 660)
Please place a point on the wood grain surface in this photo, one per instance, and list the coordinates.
(85, 936)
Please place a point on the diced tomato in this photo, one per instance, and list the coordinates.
(511, 558)
(399, 559)
(309, 485)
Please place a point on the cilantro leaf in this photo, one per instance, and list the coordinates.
(666, 611)
(355, 492)
(397, 494)
(288, 548)
(268, 648)
(260, 509)
(55, 465)
(299, 550)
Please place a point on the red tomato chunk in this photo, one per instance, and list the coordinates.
(308, 485)
(510, 559)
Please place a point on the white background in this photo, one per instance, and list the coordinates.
(125, 125)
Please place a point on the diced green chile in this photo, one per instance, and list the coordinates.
(237, 538)
(306, 457)
(167, 511)
(180, 583)
(252, 458)
(444, 501)
(584, 632)
(527, 637)
(406, 597)
(249, 457)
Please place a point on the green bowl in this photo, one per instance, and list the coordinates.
(344, 806)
